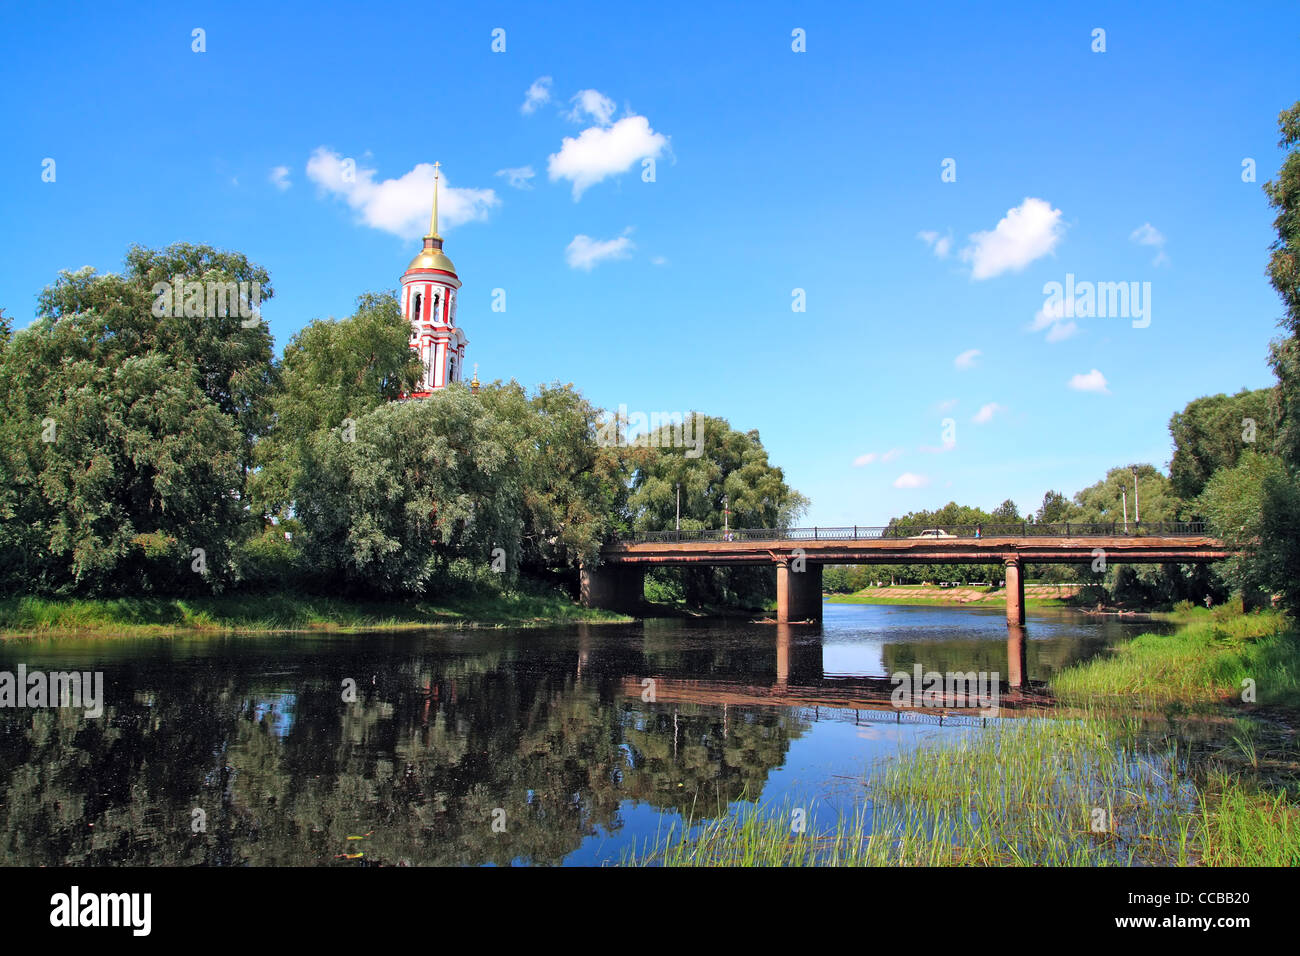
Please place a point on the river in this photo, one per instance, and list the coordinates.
(564, 745)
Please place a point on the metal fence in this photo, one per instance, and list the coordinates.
(1024, 529)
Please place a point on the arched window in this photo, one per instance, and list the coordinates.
(415, 312)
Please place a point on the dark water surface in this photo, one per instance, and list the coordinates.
(470, 747)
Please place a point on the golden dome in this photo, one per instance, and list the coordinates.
(432, 257)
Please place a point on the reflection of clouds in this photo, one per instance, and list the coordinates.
(880, 732)
(276, 712)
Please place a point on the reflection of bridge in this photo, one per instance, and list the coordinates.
(798, 554)
(800, 682)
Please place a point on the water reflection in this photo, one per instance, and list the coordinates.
(540, 746)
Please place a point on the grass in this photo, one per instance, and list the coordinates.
(1211, 658)
(1099, 788)
(1082, 792)
(26, 616)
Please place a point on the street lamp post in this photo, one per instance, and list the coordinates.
(679, 506)
(1137, 506)
(726, 518)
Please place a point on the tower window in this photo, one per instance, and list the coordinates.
(415, 313)
(435, 307)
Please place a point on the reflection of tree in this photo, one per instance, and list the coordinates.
(286, 771)
(1045, 657)
(685, 759)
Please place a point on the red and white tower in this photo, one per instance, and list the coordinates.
(430, 288)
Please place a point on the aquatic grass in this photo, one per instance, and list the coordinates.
(1244, 824)
(1207, 660)
(281, 612)
(1090, 791)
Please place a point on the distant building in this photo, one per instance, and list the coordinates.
(430, 288)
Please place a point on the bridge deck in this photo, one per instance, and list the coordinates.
(1036, 549)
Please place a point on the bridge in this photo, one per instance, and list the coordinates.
(617, 582)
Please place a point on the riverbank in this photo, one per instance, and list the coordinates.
(1213, 779)
(282, 613)
(1036, 595)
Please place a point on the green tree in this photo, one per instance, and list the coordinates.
(332, 370)
(1054, 509)
(1284, 274)
(731, 465)
(115, 466)
(230, 360)
(1254, 507)
(574, 492)
(414, 485)
(1006, 513)
(1213, 432)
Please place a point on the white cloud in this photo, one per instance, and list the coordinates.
(1027, 232)
(280, 177)
(518, 176)
(1061, 331)
(1148, 235)
(400, 206)
(1052, 317)
(586, 253)
(986, 413)
(967, 358)
(947, 405)
(871, 456)
(591, 103)
(536, 95)
(941, 245)
(909, 480)
(1093, 381)
(659, 260)
(600, 152)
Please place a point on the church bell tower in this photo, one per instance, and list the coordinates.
(430, 288)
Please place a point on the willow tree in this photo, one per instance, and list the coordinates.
(127, 435)
(718, 470)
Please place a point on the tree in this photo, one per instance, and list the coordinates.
(731, 465)
(414, 485)
(230, 360)
(1006, 513)
(1212, 433)
(1055, 508)
(332, 371)
(574, 491)
(1254, 508)
(116, 467)
(1284, 274)
(1105, 501)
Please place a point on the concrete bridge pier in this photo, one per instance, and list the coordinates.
(613, 587)
(798, 593)
(1015, 592)
(1017, 662)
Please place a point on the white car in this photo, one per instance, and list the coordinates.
(934, 533)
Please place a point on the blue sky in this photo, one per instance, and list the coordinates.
(775, 170)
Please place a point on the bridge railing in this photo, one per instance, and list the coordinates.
(1024, 529)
